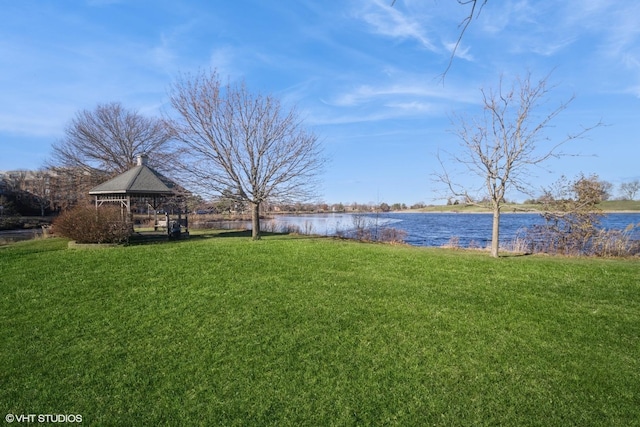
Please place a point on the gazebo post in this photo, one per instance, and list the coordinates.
(155, 213)
(129, 214)
(186, 220)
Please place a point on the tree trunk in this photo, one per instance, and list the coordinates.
(495, 233)
(255, 221)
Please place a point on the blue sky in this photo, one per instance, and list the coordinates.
(365, 76)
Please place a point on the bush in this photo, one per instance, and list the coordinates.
(392, 235)
(616, 243)
(597, 242)
(572, 219)
(85, 224)
(454, 242)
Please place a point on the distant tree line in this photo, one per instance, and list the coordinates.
(229, 206)
(49, 191)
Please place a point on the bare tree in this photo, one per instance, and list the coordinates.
(606, 188)
(630, 189)
(69, 186)
(109, 138)
(243, 142)
(501, 145)
(37, 185)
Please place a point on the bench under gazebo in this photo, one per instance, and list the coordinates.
(140, 183)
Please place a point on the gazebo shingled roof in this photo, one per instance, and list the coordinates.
(139, 181)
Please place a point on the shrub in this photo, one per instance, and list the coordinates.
(85, 224)
(572, 218)
(392, 235)
(616, 243)
(454, 242)
(597, 242)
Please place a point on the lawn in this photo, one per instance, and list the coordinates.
(221, 330)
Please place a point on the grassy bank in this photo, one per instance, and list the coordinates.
(314, 331)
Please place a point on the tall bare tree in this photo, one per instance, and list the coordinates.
(243, 142)
(109, 138)
(504, 143)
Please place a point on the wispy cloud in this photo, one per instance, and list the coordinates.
(391, 22)
(399, 100)
(414, 107)
(552, 47)
(319, 118)
(615, 33)
(462, 52)
(223, 59)
(368, 93)
(165, 50)
(622, 30)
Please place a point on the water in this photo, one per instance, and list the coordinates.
(324, 224)
(10, 236)
(435, 229)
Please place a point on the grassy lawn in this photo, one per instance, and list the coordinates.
(621, 205)
(314, 331)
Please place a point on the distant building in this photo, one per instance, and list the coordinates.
(46, 190)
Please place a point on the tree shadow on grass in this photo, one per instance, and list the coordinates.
(244, 233)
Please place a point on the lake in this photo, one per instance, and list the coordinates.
(433, 229)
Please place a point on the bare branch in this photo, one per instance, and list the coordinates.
(464, 24)
(109, 137)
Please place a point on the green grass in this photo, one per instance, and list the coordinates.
(315, 331)
(620, 205)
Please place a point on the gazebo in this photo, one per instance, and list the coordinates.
(139, 182)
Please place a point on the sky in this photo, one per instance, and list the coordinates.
(365, 76)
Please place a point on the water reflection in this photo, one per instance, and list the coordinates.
(325, 224)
